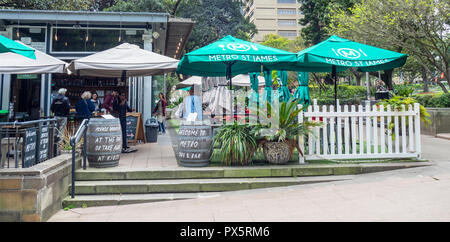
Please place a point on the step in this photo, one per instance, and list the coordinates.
(192, 185)
(124, 199)
(121, 173)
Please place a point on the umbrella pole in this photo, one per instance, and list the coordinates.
(334, 76)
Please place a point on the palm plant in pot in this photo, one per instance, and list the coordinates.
(236, 144)
(280, 140)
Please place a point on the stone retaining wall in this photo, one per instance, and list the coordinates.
(34, 194)
(440, 122)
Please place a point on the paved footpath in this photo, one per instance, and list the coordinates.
(416, 194)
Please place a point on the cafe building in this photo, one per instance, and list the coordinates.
(68, 35)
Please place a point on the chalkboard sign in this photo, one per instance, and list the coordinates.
(43, 144)
(135, 128)
(132, 122)
(29, 148)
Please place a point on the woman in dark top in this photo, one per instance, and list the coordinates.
(120, 107)
(160, 112)
(85, 107)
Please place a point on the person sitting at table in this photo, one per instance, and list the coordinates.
(85, 107)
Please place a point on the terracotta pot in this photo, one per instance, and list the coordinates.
(276, 152)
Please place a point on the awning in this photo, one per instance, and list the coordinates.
(125, 57)
(12, 63)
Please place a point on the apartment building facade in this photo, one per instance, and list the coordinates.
(274, 17)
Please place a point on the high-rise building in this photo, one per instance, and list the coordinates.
(274, 17)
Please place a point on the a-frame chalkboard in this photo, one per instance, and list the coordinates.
(135, 128)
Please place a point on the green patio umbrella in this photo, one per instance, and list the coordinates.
(230, 56)
(283, 90)
(302, 91)
(337, 54)
(8, 45)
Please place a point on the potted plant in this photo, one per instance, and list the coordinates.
(236, 144)
(278, 143)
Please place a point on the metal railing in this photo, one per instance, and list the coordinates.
(74, 140)
(28, 143)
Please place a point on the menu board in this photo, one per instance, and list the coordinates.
(132, 122)
(135, 128)
(29, 148)
(43, 141)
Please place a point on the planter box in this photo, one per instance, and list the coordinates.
(440, 122)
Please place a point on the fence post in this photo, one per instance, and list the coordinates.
(84, 149)
(417, 129)
(73, 169)
(301, 141)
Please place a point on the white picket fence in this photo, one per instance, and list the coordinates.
(357, 133)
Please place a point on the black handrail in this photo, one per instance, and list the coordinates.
(73, 142)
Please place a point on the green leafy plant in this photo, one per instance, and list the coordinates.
(397, 102)
(403, 90)
(289, 127)
(236, 144)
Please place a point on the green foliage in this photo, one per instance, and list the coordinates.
(276, 41)
(397, 102)
(288, 128)
(403, 90)
(138, 6)
(80, 5)
(434, 101)
(214, 20)
(347, 94)
(316, 18)
(236, 144)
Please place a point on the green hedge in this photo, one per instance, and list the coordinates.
(434, 101)
(347, 94)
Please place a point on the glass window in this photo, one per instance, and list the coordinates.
(287, 22)
(287, 11)
(287, 1)
(285, 33)
(93, 40)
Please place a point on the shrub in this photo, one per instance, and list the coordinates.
(434, 101)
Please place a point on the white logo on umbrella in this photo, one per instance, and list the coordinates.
(349, 53)
(238, 47)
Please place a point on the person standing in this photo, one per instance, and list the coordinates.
(191, 104)
(109, 101)
(96, 102)
(85, 107)
(61, 109)
(160, 112)
(120, 108)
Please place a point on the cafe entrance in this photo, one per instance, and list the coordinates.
(25, 97)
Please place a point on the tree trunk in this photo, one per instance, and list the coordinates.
(425, 80)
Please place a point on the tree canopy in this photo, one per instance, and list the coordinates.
(419, 28)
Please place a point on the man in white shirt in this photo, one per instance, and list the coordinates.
(191, 104)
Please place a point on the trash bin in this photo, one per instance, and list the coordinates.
(151, 130)
(3, 115)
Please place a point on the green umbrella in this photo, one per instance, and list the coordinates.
(8, 45)
(302, 91)
(344, 54)
(230, 56)
(283, 90)
(337, 54)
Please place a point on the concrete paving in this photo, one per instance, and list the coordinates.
(415, 194)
